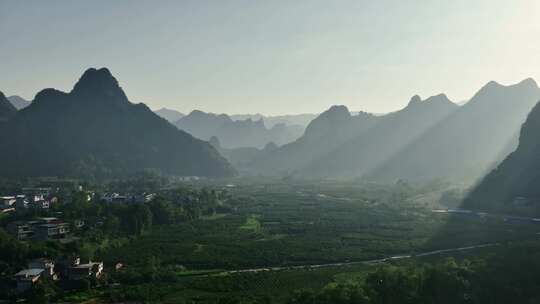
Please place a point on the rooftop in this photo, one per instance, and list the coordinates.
(32, 272)
(53, 225)
(87, 265)
(48, 219)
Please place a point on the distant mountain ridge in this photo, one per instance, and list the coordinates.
(94, 131)
(301, 120)
(426, 140)
(170, 115)
(469, 142)
(272, 120)
(329, 130)
(236, 134)
(366, 150)
(19, 102)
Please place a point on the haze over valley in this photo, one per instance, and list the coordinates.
(270, 152)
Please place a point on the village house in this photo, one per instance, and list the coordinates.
(21, 230)
(41, 204)
(46, 264)
(21, 203)
(70, 268)
(73, 269)
(86, 270)
(40, 201)
(30, 199)
(51, 228)
(45, 228)
(26, 278)
(37, 269)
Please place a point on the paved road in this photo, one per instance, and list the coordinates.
(368, 262)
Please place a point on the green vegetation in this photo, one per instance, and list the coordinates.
(486, 278)
(252, 224)
(302, 224)
(277, 242)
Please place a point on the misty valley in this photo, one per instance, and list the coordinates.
(110, 202)
(270, 152)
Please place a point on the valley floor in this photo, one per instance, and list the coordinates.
(283, 237)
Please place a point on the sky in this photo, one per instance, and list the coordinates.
(271, 57)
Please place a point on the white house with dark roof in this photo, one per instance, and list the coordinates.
(46, 264)
(86, 270)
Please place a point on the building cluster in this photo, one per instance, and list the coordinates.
(41, 229)
(64, 269)
(30, 198)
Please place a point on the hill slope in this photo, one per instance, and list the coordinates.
(517, 177)
(95, 131)
(7, 110)
(365, 151)
(470, 141)
(325, 133)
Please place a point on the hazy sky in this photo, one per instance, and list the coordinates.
(271, 56)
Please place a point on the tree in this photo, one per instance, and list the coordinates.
(446, 283)
(12, 252)
(138, 219)
(42, 292)
(342, 294)
(391, 284)
(304, 296)
(162, 211)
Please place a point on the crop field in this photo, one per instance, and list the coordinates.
(303, 225)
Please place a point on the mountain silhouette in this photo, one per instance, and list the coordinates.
(94, 131)
(428, 139)
(470, 141)
(7, 110)
(171, 115)
(300, 120)
(325, 133)
(236, 133)
(366, 150)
